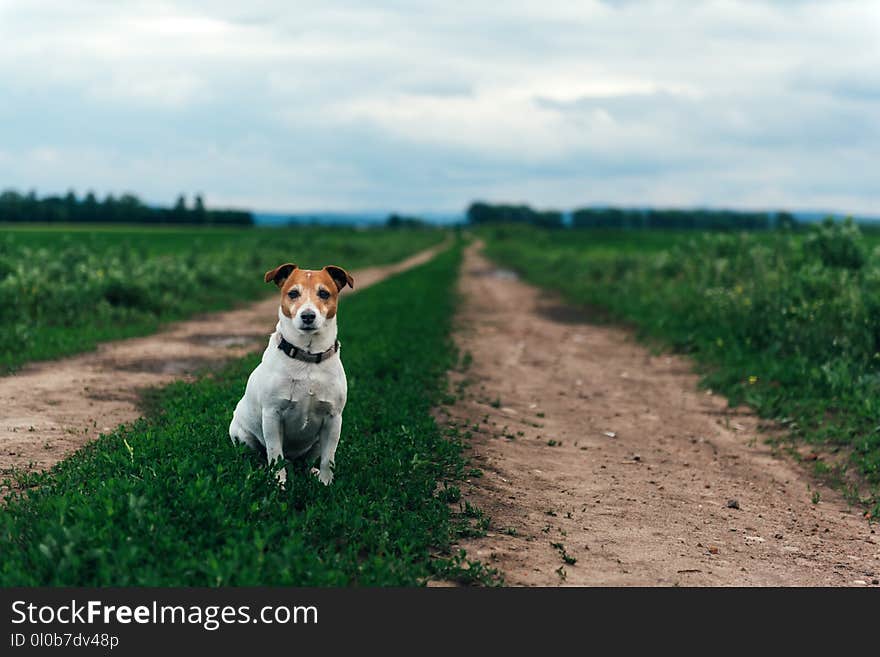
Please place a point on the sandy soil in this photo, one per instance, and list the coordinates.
(49, 409)
(650, 480)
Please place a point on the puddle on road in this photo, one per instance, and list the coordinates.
(494, 272)
(227, 340)
(165, 365)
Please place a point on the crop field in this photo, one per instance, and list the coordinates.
(788, 323)
(170, 501)
(63, 290)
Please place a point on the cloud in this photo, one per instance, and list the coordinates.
(415, 106)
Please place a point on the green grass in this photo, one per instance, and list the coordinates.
(151, 240)
(786, 323)
(65, 289)
(171, 501)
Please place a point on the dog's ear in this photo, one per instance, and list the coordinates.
(279, 274)
(339, 276)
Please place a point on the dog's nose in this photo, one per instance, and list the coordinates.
(307, 316)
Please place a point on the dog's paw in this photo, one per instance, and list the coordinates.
(281, 476)
(325, 477)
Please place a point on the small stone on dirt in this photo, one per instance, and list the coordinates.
(637, 457)
(713, 549)
(610, 434)
(732, 503)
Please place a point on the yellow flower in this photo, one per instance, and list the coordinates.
(753, 380)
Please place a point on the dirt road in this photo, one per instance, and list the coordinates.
(598, 453)
(49, 409)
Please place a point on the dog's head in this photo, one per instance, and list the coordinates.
(309, 297)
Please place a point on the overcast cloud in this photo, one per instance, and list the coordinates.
(280, 105)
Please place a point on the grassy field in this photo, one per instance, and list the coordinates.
(170, 500)
(787, 323)
(64, 289)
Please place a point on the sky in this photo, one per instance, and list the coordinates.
(428, 105)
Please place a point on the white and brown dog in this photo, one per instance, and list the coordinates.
(293, 402)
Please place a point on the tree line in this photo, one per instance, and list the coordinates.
(485, 213)
(127, 208)
(630, 218)
(395, 220)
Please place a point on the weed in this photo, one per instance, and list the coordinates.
(450, 494)
(566, 557)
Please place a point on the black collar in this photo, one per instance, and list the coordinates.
(306, 356)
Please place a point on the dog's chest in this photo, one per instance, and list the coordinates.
(308, 400)
(307, 404)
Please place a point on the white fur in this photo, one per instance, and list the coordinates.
(294, 408)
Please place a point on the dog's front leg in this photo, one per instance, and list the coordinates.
(329, 442)
(273, 437)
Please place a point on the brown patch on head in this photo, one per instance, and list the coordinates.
(310, 286)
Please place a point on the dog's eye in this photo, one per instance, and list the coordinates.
(324, 294)
(293, 294)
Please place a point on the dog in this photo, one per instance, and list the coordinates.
(293, 402)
